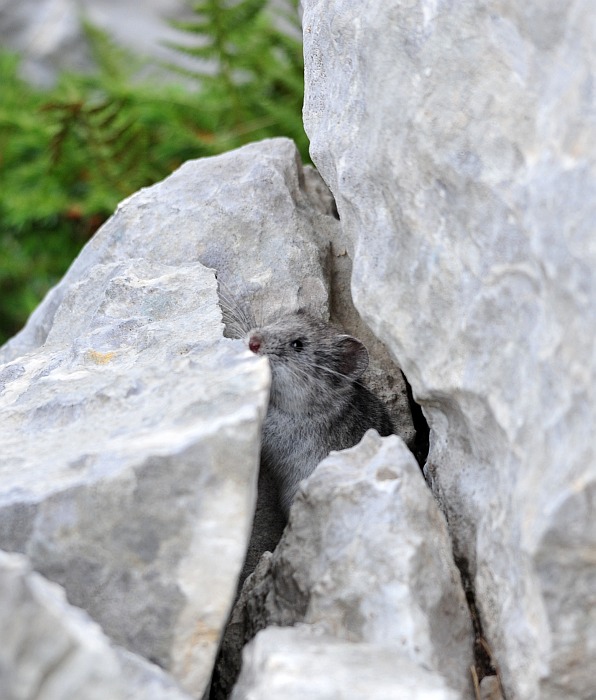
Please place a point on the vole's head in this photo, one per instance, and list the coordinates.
(313, 366)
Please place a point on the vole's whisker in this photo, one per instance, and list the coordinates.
(236, 316)
(331, 371)
(298, 372)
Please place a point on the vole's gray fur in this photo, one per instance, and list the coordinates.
(316, 402)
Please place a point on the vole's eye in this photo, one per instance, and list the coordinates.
(297, 345)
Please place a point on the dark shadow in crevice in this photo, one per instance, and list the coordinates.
(483, 661)
(420, 444)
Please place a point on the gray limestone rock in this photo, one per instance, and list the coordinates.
(247, 214)
(130, 453)
(52, 651)
(366, 558)
(459, 141)
(300, 662)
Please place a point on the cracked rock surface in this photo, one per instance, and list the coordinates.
(51, 650)
(120, 476)
(459, 141)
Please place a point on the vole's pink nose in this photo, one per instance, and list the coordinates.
(254, 343)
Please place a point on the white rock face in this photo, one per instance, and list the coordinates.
(130, 454)
(130, 426)
(460, 144)
(366, 558)
(247, 214)
(52, 651)
(297, 663)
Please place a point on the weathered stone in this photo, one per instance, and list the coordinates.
(246, 214)
(367, 558)
(460, 144)
(51, 650)
(130, 454)
(299, 662)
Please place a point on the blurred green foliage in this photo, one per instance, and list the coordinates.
(70, 154)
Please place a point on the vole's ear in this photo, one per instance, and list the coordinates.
(353, 356)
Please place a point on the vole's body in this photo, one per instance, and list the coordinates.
(316, 403)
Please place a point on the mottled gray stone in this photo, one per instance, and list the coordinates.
(300, 662)
(459, 140)
(366, 558)
(247, 214)
(52, 651)
(130, 454)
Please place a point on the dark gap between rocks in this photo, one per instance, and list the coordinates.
(483, 662)
(420, 444)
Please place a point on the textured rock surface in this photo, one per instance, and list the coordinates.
(247, 214)
(52, 651)
(460, 144)
(298, 663)
(367, 558)
(130, 453)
